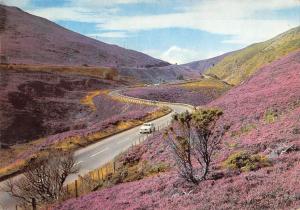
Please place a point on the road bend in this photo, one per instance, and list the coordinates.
(98, 154)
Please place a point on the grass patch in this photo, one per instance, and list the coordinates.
(206, 83)
(129, 173)
(88, 99)
(231, 144)
(100, 72)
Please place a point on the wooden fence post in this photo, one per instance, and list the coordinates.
(33, 203)
(67, 189)
(76, 188)
(91, 175)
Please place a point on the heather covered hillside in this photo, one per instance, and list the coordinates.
(44, 107)
(195, 93)
(35, 104)
(270, 97)
(238, 66)
(256, 167)
(28, 39)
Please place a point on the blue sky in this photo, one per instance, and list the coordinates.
(177, 31)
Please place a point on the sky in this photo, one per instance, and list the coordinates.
(177, 31)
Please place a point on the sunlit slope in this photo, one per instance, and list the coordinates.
(238, 66)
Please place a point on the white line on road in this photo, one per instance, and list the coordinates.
(97, 153)
(123, 140)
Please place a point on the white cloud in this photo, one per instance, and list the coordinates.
(16, 3)
(112, 34)
(244, 31)
(107, 3)
(179, 55)
(238, 18)
(236, 9)
(92, 11)
(235, 17)
(72, 14)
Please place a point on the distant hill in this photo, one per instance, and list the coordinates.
(173, 72)
(159, 74)
(28, 39)
(236, 67)
(202, 65)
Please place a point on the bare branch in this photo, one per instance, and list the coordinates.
(43, 179)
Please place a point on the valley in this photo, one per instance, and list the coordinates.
(227, 128)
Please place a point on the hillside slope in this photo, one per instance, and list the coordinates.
(195, 93)
(202, 65)
(159, 74)
(172, 72)
(28, 39)
(238, 66)
(272, 91)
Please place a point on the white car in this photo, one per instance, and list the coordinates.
(147, 128)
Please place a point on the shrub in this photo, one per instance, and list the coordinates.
(245, 162)
(180, 77)
(194, 137)
(296, 131)
(133, 157)
(271, 115)
(157, 168)
(43, 179)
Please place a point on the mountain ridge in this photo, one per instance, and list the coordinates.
(202, 65)
(239, 65)
(44, 42)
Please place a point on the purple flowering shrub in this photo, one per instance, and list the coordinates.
(267, 188)
(196, 94)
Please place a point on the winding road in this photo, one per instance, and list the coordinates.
(98, 154)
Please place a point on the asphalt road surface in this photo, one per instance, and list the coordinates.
(97, 154)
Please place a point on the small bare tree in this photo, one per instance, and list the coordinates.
(43, 179)
(193, 137)
(180, 140)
